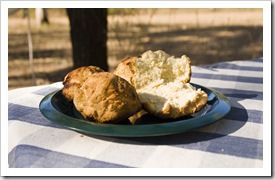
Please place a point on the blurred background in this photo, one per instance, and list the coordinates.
(43, 46)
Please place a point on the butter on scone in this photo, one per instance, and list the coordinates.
(74, 80)
(162, 83)
(106, 97)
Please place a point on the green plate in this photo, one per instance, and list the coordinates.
(57, 110)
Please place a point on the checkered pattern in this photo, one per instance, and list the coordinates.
(235, 141)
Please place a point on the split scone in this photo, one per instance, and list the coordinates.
(74, 80)
(162, 83)
(106, 97)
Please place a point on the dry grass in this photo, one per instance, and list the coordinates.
(205, 35)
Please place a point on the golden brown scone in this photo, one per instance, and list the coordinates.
(125, 69)
(74, 80)
(154, 67)
(105, 97)
(162, 83)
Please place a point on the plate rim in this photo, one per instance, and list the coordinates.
(141, 130)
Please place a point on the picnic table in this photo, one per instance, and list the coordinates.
(234, 141)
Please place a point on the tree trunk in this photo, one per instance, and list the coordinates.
(89, 37)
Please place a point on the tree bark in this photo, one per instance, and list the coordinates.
(89, 37)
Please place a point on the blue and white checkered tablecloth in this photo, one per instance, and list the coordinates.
(236, 141)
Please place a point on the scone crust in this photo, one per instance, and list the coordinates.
(125, 69)
(188, 70)
(74, 80)
(105, 97)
